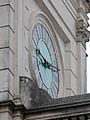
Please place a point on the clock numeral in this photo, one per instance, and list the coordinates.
(54, 62)
(46, 36)
(34, 62)
(37, 33)
(44, 87)
(39, 81)
(55, 85)
(34, 43)
(50, 92)
(39, 29)
(54, 91)
(52, 51)
(33, 52)
(43, 33)
(36, 71)
(52, 54)
(34, 38)
(55, 78)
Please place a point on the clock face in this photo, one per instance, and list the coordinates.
(44, 61)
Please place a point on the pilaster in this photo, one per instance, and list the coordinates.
(83, 36)
(18, 47)
(6, 49)
(70, 68)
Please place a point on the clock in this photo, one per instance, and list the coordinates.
(44, 60)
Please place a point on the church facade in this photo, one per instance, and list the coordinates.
(43, 58)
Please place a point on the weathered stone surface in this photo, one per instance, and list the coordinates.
(78, 109)
(73, 118)
(82, 117)
(31, 95)
(66, 111)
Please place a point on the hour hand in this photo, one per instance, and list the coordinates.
(39, 53)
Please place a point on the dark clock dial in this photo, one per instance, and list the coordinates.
(44, 61)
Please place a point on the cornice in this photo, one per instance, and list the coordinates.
(74, 4)
(87, 5)
(43, 4)
(12, 106)
(63, 108)
(72, 106)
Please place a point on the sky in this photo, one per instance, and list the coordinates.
(88, 67)
(88, 61)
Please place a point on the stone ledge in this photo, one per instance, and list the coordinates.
(12, 106)
(75, 106)
(67, 102)
(69, 107)
(34, 97)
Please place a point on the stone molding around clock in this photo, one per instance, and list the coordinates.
(40, 17)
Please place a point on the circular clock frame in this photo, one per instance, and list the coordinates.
(47, 26)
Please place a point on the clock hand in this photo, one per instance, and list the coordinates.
(50, 66)
(39, 53)
(42, 62)
(46, 63)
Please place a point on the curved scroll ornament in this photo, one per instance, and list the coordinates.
(82, 33)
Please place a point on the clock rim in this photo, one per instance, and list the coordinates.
(40, 17)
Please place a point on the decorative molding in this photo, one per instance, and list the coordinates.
(81, 12)
(71, 90)
(47, 10)
(74, 3)
(87, 5)
(58, 13)
(82, 33)
(72, 8)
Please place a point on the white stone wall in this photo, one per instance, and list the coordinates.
(6, 49)
(15, 22)
(16, 18)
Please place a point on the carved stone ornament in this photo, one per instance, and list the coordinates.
(82, 33)
(87, 5)
(31, 95)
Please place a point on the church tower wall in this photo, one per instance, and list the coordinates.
(66, 23)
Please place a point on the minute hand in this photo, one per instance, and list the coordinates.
(39, 53)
